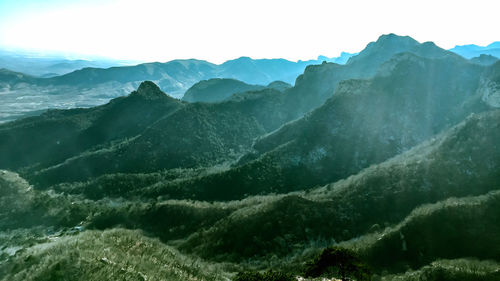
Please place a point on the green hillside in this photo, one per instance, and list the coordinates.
(217, 89)
(59, 134)
(365, 122)
(462, 162)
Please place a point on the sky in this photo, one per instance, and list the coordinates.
(218, 30)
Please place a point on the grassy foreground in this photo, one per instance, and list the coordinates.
(116, 254)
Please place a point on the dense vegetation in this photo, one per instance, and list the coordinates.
(217, 89)
(386, 168)
(315, 150)
(120, 254)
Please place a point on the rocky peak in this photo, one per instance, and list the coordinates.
(149, 90)
(385, 47)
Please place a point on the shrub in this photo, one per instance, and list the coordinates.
(267, 276)
(338, 262)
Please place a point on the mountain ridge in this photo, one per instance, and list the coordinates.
(341, 138)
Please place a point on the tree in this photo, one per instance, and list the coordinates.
(338, 262)
(267, 276)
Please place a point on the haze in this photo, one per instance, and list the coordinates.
(220, 30)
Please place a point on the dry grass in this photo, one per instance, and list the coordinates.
(110, 255)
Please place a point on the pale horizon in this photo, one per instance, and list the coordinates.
(218, 31)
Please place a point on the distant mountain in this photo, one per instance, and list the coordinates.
(172, 77)
(8, 78)
(470, 51)
(386, 46)
(95, 86)
(319, 82)
(342, 59)
(217, 89)
(49, 65)
(485, 59)
(175, 77)
(279, 85)
(265, 71)
(92, 86)
(262, 71)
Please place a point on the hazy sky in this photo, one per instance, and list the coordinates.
(217, 30)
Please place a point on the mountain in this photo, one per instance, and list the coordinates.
(82, 143)
(384, 48)
(485, 59)
(471, 51)
(48, 65)
(463, 161)
(388, 45)
(172, 77)
(282, 225)
(9, 78)
(227, 130)
(59, 134)
(342, 59)
(394, 101)
(279, 85)
(489, 88)
(93, 86)
(265, 71)
(318, 83)
(364, 123)
(262, 71)
(196, 135)
(424, 234)
(217, 89)
(90, 87)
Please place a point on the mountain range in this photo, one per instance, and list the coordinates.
(49, 65)
(217, 89)
(393, 155)
(471, 51)
(82, 83)
(90, 86)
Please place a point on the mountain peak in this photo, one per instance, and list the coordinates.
(388, 36)
(149, 90)
(241, 59)
(494, 45)
(384, 48)
(392, 38)
(148, 86)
